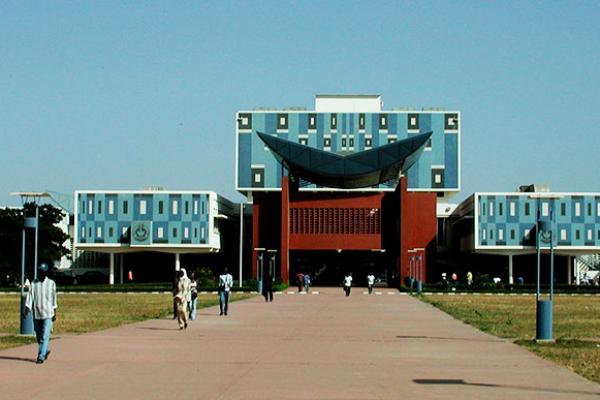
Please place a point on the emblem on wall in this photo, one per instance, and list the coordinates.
(140, 232)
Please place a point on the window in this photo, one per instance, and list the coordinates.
(500, 234)
(303, 141)
(438, 178)
(111, 232)
(282, 121)
(195, 232)
(563, 209)
(174, 207)
(589, 209)
(577, 234)
(82, 232)
(333, 121)
(527, 209)
(90, 232)
(577, 209)
(512, 234)
(513, 208)
(413, 121)
(244, 121)
(563, 234)
(361, 121)
(202, 207)
(111, 207)
(124, 231)
(327, 142)
(351, 140)
(160, 232)
(90, 207)
(343, 142)
(187, 207)
(383, 121)
(99, 207)
(598, 209)
(99, 232)
(312, 121)
(368, 142)
(202, 233)
(143, 207)
(483, 234)
(491, 206)
(528, 234)
(491, 234)
(257, 178)
(160, 207)
(125, 207)
(500, 208)
(186, 232)
(195, 207)
(545, 209)
(83, 206)
(590, 235)
(174, 232)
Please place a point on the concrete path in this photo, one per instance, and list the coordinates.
(322, 346)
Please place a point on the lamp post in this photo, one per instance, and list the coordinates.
(260, 263)
(26, 323)
(411, 268)
(544, 235)
(272, 259)
(419, 268)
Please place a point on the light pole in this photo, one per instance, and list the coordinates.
(260, 262)
(26, 323)
(419, 268)
(544, 235)
(411, 268)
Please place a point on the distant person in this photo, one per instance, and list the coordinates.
(41, 301)
(300, 278)
(469, 278)
(225, 284)
(454, 279)
(182, 295)
(370, 282)
(267, 290)
(193, 295)
(520, 280)
(174, 290)
(348, 283)
(307, 282)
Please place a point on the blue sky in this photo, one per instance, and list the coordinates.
(115, 95)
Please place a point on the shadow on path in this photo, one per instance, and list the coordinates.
(493, 385)
(30, 360)
(449, 338)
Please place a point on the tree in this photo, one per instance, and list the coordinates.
(50, 239)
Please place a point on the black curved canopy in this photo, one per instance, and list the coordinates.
(352, 171)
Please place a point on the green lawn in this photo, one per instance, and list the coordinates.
(80, 313)
(576, 325)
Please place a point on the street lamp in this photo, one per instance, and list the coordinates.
(260, 262)
(26, 323)
(411, 268)
(544, 236)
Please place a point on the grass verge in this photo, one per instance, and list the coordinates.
(81, 313)
(576, 326)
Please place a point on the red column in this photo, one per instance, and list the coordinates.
(285, 230)
(256, 242)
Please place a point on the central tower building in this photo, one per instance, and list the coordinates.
(346, 187)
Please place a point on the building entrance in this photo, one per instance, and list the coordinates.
(328, 267)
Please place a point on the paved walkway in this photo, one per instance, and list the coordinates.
(298, 347)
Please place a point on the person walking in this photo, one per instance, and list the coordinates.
(225, 284)
(268, 288)
(194, 296)
(307, 282)
(182, 295)
(41, 301)
(370, 282)
(348, 283)
(300, 278)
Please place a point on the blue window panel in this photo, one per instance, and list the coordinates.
(114, 226)
(577, 234)
(98, 225)
(99, 206)
(174, 232)
(137, 199)
(172, 199)
(187, 202)
(451, 161)
(115, 201)
(574, 201)
(186, 226)
(124, 231)
(122, 216)
(567, 229)
(515, 201)
(244, 159)
(156, 226)
(597, 209)
(512, 239)
(523, 227)
(588, 210)
(491, 200)
(591, 240)
(156, 215)
(499, 241)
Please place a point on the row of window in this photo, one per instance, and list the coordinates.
(562, 234)
(160, 232)
(450, 121)
(142, 207)
(335, 221)
(348, 142)
(544, 209)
